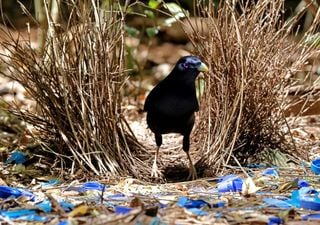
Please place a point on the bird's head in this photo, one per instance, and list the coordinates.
(191, 64)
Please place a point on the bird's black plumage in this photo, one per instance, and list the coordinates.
(171, 105)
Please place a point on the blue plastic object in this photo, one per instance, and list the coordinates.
(218, 205)
(46, 207)
(198, 212)
(311, 217)
(93, 186)
(302, 183)
(275, 221)
(315, 166)
(6, 192)
(122, 210)
(230, 183)
(52, 182)
(257, 165)
(312, 203)
(23, 214)
(189, 203)
(17, 157)
(270, 172)
(273, 202)
(63, 222)
(118, 197)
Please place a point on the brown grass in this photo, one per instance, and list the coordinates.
(77, 83)
(249, 49)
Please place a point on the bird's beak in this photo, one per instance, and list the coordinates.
(203, 68)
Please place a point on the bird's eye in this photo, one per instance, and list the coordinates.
(185, 65)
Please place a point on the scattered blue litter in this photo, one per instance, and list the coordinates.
(218, 205)
(46, 207)
(230, 183)
(270, 172)
(63, 222)
(311, 217)
(23, 214)
(193, 206)
(306, 190)
(312, 203)
(198, 212)
(33, 218)
(49, 183)
(94, 186)
(302, 183)
(273, 202)
(315, 166)
(17, 157)
(118, 197)
(189, 203)
(6, 192)
(123, 210)
(256, 165)
(67, 206)
(156, 221)
(275, 221)
(227, 177)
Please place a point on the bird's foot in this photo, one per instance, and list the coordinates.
(155, 172)
(192, 173)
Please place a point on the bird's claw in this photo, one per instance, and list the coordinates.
(192, 173)
(155, 172)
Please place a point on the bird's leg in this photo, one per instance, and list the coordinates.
(192, 169)
(186, 146)
(155, 171)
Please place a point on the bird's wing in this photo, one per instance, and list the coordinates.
(151, 98)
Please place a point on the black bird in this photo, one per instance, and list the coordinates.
(171, 105)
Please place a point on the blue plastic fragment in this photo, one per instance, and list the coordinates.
(302, 183)
(311, 217)
(67, 206)
(118, 197)
(230, 183)
(23, 214)
(189, 203)
(315, 166)
(33, 218)
(270, 172)
(52, 182)
(218, 205)
(275, 221)
(198, 212)
(123, 210)
(46, 207)
(156, 221)
(63, 222)
(93, 186)
(273, 202)
(6, 192)
(256, 165)
(227, 177)
(193, 206)
(17, 157)
(307, 190)
(312, 203)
